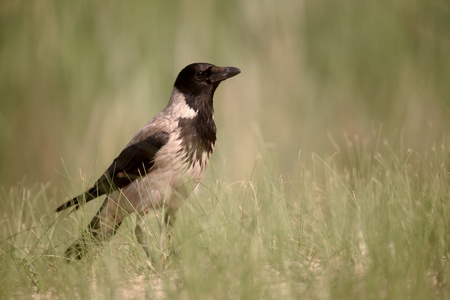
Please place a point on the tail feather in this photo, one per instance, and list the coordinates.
(78, 200)
(102, 186)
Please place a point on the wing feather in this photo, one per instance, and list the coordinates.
(133, 162)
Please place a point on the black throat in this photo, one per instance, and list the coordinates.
(198, 134)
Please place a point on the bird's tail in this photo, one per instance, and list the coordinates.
(78, 200)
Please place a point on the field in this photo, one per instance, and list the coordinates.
(331, 175)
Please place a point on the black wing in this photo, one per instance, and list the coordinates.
(133, 162)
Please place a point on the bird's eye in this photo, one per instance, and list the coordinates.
(200, 75)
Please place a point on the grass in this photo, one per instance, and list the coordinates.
(373, 228)
(330, 179)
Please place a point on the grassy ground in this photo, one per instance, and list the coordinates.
(330, 179)
(376, 228)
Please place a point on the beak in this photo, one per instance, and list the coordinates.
(221, 73)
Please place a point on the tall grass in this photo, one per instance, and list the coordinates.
(330, 178)
(329, 231)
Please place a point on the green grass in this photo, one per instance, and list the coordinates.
(330, 178)
(373, 228)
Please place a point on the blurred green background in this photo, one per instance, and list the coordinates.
(79, 78)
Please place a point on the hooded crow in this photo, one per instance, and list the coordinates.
(162, 163)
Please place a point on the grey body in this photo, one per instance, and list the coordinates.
(171, 177)
(163, 163)
(171, 170)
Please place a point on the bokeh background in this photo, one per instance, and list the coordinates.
(79, 78)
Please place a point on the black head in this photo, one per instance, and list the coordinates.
(202, 78)
(197, 82)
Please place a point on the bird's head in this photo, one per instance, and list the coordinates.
(202, 78)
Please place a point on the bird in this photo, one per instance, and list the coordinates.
(162, 164)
